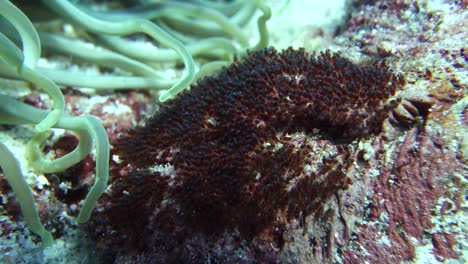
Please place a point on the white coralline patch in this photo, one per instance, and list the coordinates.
(369, 151)
(116, 159)
(116, 109)
(41, 181)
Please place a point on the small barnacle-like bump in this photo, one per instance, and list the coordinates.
(412, 108)
(405, 113)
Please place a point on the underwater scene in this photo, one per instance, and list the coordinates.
(234, 131)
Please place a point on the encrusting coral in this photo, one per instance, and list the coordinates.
(232, 154)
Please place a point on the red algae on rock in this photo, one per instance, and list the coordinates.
(416, 207)
(418, 175)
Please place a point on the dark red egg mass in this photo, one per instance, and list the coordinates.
(234, 154)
